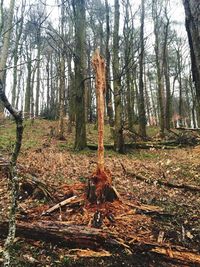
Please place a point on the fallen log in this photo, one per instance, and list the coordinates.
(142, 145)
(172, 252)
(74, 236)
(63, 234)
(187, 187)
(188, 129)
(149, 210)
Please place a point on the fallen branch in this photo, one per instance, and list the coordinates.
(188, 129)
(31, 186)
(167, 184)
(148, 209)
(72, 200)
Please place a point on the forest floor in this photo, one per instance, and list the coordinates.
(157, 213)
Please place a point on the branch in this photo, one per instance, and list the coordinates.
(19, 124)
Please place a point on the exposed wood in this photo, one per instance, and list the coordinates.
(100, 80)
(100, 189)
(71, 200)
(100, 184)
(176, 253)
(88, 253)
(184, 256)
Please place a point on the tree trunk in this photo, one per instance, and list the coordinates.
(62, 80)
(6, 42)
(166, 74)
(109, 104)
(79, 61)
(13, 182)
(38, 72)
(27, 104)
(159, 67)
(61, 98)
(16, 56)
(192, 23)
(141, 104)
(118, 138)
(99, 185)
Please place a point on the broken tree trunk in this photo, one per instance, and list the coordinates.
(99, 185)
(63, 234)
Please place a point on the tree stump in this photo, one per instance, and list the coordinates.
(100, 188)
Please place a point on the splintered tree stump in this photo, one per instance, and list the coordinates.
(100, 188)
(100, 184)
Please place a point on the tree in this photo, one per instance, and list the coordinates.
(118, 135)
(6, 41)
(107, 56)
(141, 105)
(128, 33)
(156, 13)
(62, 79)
(192, 22)
(79, 65)
(18, 34)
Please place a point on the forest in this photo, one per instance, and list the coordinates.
(99, 133)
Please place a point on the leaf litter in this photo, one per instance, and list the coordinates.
(171, 215)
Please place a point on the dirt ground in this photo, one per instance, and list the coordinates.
(56, 164)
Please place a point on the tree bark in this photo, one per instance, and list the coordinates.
(159, 66)
(79, 61)
(109, 103)
(6, 42)
(141, 104)
(118, 138)
(13, 177)
(192, 22)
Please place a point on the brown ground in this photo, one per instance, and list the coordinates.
(55, 163)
